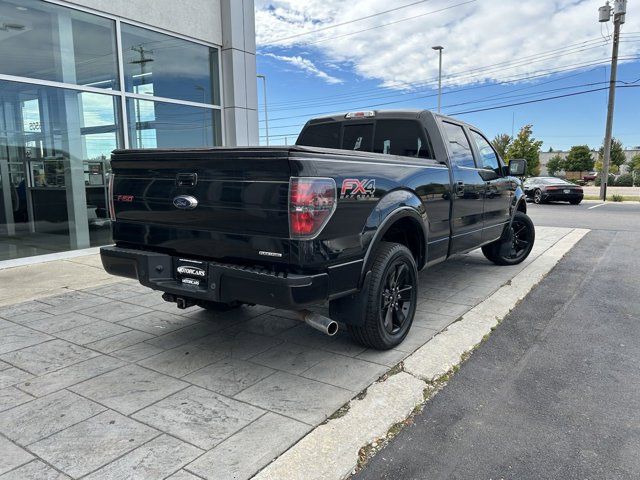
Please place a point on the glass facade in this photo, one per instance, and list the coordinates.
(65, 105)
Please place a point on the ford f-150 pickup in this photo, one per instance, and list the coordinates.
(347, 216)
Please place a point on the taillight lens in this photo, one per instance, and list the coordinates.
(312, 201)
(112, 210)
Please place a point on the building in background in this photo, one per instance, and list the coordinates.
(81, 78)
(546, 156)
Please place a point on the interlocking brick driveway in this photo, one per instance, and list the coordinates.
(112, 382)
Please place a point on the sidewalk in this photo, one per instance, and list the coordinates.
(107, 378)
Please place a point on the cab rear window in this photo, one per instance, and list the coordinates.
(392, 137)
(325, 135)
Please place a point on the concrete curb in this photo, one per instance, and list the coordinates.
(331, 450)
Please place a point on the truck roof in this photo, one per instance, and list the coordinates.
(386, 114)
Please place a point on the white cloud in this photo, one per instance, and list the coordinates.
(475, 35)
(307, 66)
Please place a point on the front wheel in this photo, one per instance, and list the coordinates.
(518, 244)
(390, 302)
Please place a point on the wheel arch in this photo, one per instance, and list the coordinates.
(403, 222)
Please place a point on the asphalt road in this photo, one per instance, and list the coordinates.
(593, 215)
(555, 391)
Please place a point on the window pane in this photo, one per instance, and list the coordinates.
(459, 147)
(167, 125)
(49, 42)
(488, 157)
(358, 137)
(325, 135)
(55, 146)
(165, 66)
(401, 137)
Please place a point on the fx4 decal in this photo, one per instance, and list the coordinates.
(358, 188)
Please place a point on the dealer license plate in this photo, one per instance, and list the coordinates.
(191, 272)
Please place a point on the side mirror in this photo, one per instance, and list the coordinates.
(518, 167)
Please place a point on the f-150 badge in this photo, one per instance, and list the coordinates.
(358, 188)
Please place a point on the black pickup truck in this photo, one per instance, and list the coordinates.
(348, 216)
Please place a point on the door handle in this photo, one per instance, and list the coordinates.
(460, 189)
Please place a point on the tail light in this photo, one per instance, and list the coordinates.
(312, 201)
(112, 210)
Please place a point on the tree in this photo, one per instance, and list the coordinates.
(634, 168)
(579, 159)
(617, 156)
(527, 147)
(555, 164)
(501, 143)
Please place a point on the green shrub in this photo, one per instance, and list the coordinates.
(617, 198)
(625, 180)
(612, 180)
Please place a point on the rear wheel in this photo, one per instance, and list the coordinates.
(537, 196)
(575, 202)
(517, 247)
(391, 299)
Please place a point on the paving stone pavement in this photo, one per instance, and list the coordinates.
(112, 382)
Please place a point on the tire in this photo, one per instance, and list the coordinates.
(575, 202)
(218, 306)
(522, 238)
(537, 196)
(390, 303)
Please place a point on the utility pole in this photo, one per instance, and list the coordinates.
(619, 14)
(264, 95)
(439, 49)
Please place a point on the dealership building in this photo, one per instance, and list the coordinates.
(81, 78)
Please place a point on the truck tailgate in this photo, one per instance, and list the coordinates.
(241, 196)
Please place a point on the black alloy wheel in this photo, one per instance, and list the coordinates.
(521, 239)
(516, 245)
(388, 303)
(398, 296)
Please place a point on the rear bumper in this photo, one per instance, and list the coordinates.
(225, 282)
(562, 197)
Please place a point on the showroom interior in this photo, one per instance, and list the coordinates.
(78, 80)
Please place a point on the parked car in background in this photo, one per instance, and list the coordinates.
(552, 189)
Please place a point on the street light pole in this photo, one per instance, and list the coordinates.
(619, 13)
(439, 48)
(266, 114)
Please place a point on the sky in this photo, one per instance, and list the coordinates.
(329, 56)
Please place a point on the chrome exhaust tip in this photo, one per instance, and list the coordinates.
(319, 322)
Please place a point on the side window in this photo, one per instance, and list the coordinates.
(401, 137)
(358, 137)
(458, 145)
(488, 156)
(325, 135)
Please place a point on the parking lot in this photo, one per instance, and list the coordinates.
(112, 382)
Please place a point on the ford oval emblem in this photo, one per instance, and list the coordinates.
(185, 202)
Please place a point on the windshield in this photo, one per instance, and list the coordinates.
(553, 181)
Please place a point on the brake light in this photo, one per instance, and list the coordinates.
(112, 210)
(312, 201)
(367, 114)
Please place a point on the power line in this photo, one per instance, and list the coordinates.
(391, 23)
(307, 115)
(577, 45)
(279, 40)
(496, 107)
(401, 94)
